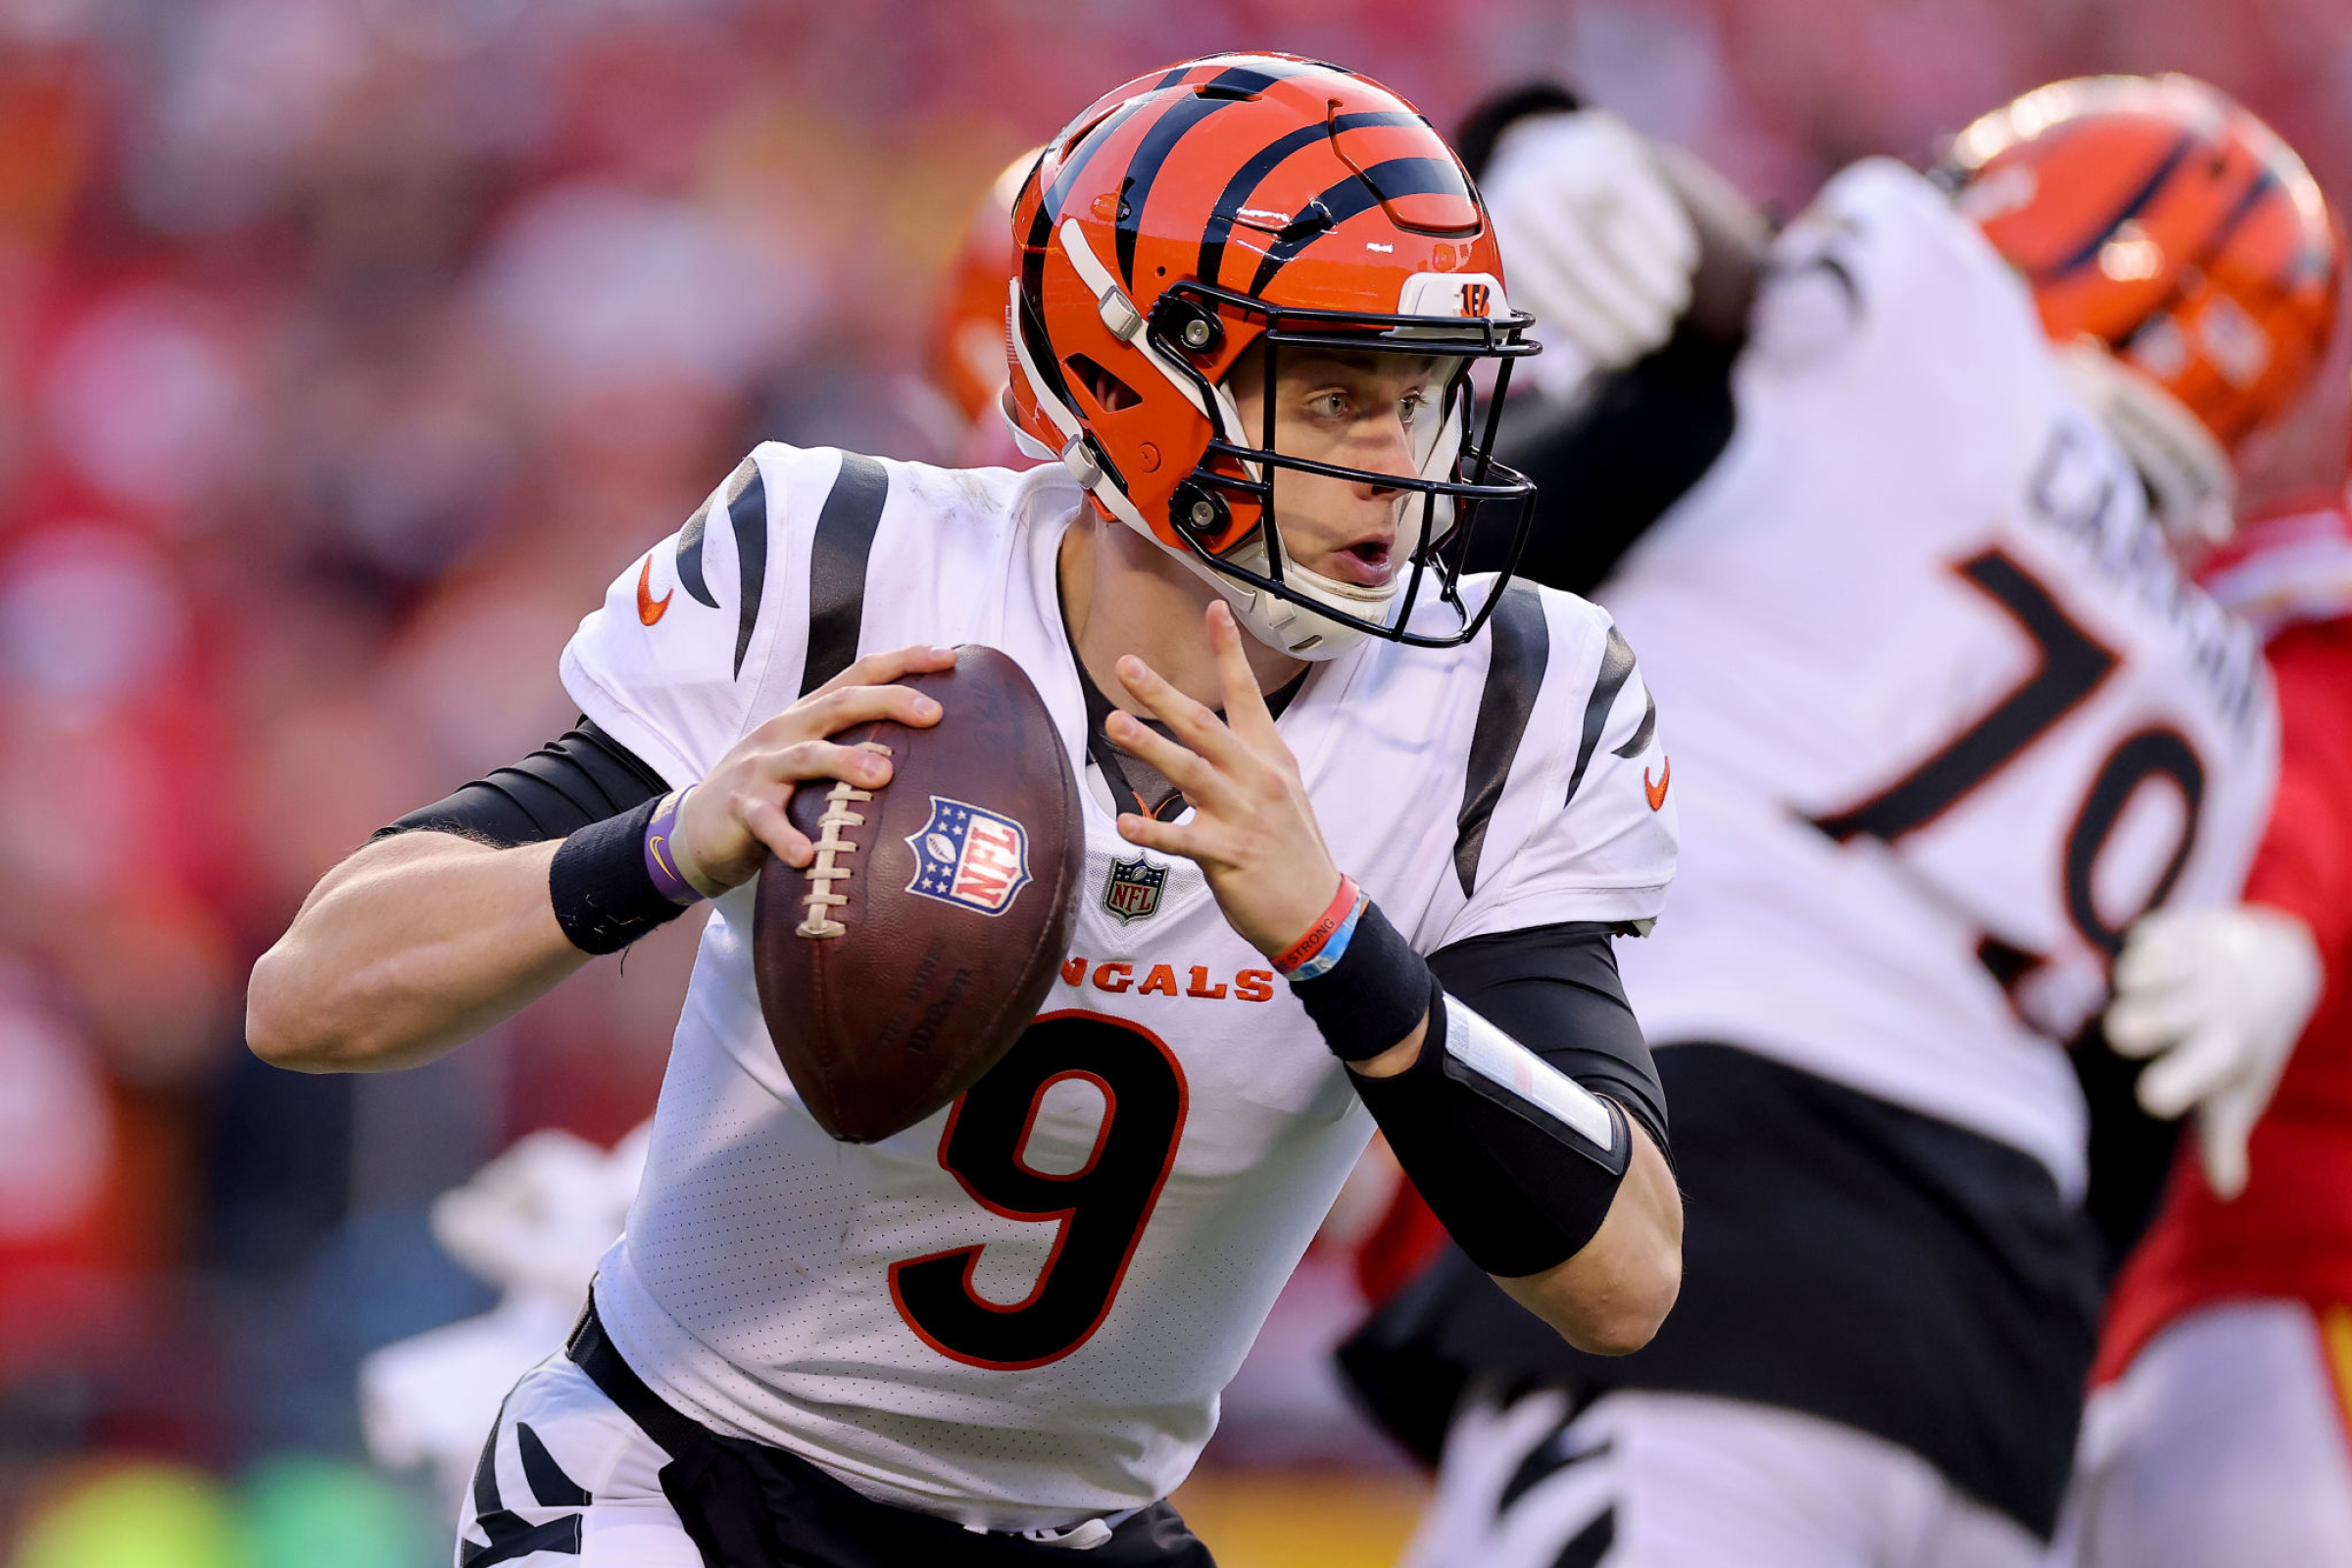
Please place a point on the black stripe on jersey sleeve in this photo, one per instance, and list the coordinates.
(1638, 741)
(837, 561)
(747, 514)
(582, 776)
(690, 537)
(1520, 647)
(1616, 668)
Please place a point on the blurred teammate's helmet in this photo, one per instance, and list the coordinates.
(2179, 253)
(1239, 200)
(967, 334)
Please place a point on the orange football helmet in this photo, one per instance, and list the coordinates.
(2177, 248)
(1245, 199)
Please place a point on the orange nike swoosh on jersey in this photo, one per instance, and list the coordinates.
(1657, 792)
(650, 608)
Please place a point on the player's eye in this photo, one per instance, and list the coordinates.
(1329, 405)
(1408, 407)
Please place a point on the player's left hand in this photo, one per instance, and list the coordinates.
(2218, 997)
(1252, 831)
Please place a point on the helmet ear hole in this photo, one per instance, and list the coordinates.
(1105, 388)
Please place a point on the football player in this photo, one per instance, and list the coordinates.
(1950, 721)
(1359, 833)
(2217, 1436)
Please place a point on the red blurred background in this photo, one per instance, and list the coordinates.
(349, 346)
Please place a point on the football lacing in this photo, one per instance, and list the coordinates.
(822, 873)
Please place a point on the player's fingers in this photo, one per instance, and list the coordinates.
(1548, 285)
(2140, 1023)
(1187, 770)
(838, 710)
(2162, 949)
(2187, 1074)
(1195, 725)
(1246, 713)
(1654, 217)
(824, 760)
(894, 664)
(1646, 264)
(1152, 834)
(765, 819)
(2223, 1128)
(1606, 285)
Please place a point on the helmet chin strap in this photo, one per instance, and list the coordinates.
(2186, 469)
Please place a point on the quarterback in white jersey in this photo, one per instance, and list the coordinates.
(1951, 721)
(1355, 857)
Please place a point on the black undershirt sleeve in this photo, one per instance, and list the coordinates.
(582, 776)
(1554, 990)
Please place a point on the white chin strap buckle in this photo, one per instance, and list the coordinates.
(1079, 459)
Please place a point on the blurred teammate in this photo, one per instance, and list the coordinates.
(2222, 1437)
(533, 1223)
(965, 365)
(1959, 721)
(1251, 293)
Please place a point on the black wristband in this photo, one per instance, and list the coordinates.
(1374, 997)
(604, 897)
(1518, 1188)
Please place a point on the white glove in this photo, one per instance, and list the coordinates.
(2218, 997)
(540, 1217)
(1595, 244)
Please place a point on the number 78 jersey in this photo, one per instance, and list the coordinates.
(1949, 717)
(1020, 1313)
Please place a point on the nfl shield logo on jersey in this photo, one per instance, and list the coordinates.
(970, 857)
(1132, 891)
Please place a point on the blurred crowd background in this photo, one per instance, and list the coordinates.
(348, 348)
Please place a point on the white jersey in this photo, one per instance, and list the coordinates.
(1022, 1312)
(1947, 719)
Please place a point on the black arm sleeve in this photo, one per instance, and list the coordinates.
(1555, 989)
(582, 776)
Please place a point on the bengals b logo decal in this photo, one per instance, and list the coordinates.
(1474, 299)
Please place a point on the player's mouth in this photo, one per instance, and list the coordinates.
(1369, 562)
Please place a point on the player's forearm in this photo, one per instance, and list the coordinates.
(411, 947)
(1613, 1296)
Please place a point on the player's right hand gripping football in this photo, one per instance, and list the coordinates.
(735, 816)
(1252, 831)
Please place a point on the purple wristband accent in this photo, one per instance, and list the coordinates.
(660, 861)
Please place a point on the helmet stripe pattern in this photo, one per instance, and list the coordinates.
(1142, 169)
(2088, 251)
(1252, 173)
(1398, 176)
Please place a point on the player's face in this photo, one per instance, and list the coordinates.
(1356, 410)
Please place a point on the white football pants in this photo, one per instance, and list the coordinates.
(570, 1483)
(1682, 1481)
(2222, 1446)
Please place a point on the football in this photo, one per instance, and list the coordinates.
(914, 951)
